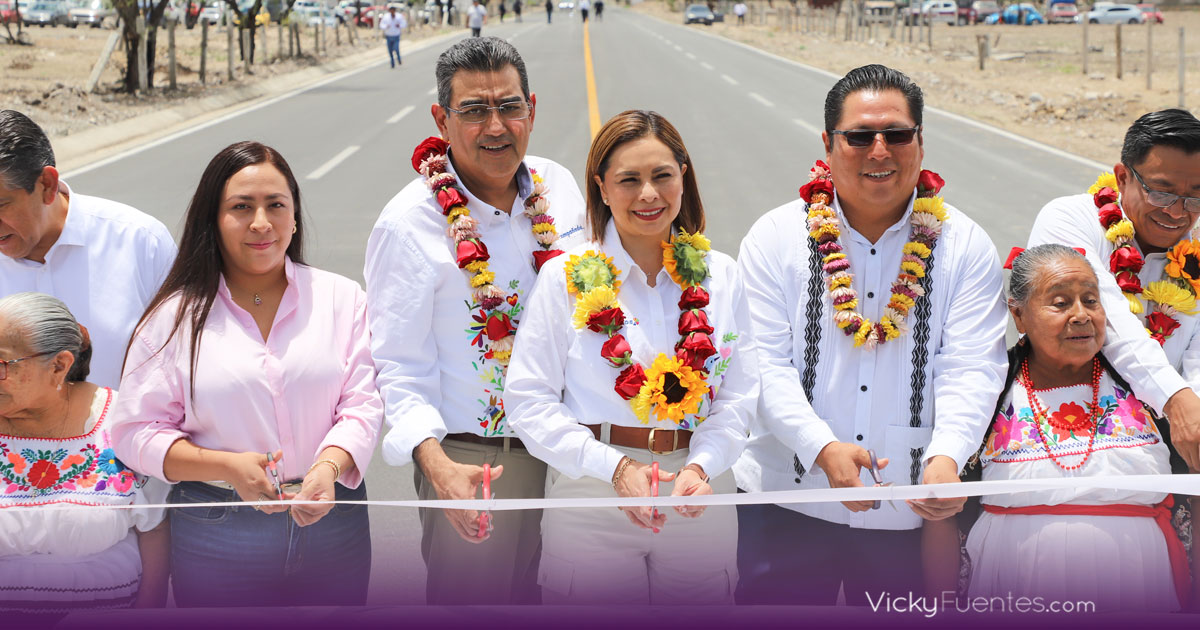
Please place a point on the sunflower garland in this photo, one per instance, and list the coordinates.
(673, 387)
(1166, 298)
(928, 215)
(430, 159)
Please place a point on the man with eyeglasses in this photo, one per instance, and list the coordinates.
(444, 305)
(102, 258)
(1158, 179)
(880, 328)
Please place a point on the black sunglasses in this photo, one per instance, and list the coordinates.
(866, 137)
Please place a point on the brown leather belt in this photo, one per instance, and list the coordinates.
(501, 442)
(657, 441)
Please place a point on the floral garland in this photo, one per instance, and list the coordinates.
(1166, 298)
(673, 386)
(927, 218)
(430, 160)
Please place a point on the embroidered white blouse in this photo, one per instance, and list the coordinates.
(558, 381)
(930, 392)
(1074, 221)
(434, 370)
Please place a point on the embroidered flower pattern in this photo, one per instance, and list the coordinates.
(42, 472)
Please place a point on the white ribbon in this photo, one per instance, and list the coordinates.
(1173, 484)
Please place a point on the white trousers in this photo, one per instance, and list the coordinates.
(596, 556)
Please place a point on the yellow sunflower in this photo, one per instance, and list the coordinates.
(1184, 263)
(590, 270)
(673, 389)
(1121, 230)
(456, 212)
(1171, 294)
(593, 302)
(684, 258)
(931, 205)
(1105, 180)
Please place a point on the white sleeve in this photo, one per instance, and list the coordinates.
(401, 287)
(970, 365)
(533, 390)
(783, 406)
(1129, 348)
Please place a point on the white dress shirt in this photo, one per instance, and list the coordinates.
(558, 381)
(433, 372)
(393, 26)
(930, 392)
(106, 266)
(475, 16)
(1154, 376)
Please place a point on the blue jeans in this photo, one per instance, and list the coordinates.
(393, 44)
(236, 556)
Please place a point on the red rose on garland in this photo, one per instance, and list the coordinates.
(471, 250)
(449, 197)
(629, 381)
(819, 185)
(1110, 213)
(428, 147)
(695, 350)
(1125, 259)
(1160, 326)
(499, 326)
(1129, 282)
(694, 321)
(693, 297)
(607, 321)
(617, 351)
(43, 474)
(542, 255)
(1104, 196)
(929, 183)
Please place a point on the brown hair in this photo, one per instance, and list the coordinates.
(628, 126)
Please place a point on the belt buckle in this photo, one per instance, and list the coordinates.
(674, 442)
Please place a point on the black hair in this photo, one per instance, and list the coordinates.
(1168, 127)
(477, 54)
(876, 78)
(24, 151)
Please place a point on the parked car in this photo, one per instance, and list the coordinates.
(975, 12)
(46, 14)
(210, 14)
(91, 12)
(1151, 13)
(1022, 13)
(1116, 14)
(698, 13)
(8, 12)
(1063, 13)
(943, 11)
(262, 19)
(566, 5)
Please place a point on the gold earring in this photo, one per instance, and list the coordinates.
(293, 228)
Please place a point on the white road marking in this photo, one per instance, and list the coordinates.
(761, 99)
(400, 114)
(337, 159)
(432, 91)
(690, 56)
(706, 65)
(678, 48)
(804, 125)
(728, 79)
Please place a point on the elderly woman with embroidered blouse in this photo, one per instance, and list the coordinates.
(635, 352)
(55, 450)
(1066, 414)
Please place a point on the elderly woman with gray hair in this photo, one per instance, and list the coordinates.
(1067, 414)
(54, 450)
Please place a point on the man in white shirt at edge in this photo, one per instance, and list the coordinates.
(104, 259)
(442, 391)
(1164, 149)
(921, 401)
(393, 25)
(476, 17)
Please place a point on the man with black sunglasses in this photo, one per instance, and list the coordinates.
(880, 329)
(1136, 243)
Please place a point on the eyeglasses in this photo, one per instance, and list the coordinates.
(866, 137)
(477, 114)
(1164, 199)
(4, 364)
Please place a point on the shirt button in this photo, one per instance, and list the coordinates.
(872, 251)
(858, 437)
(498, 214)
(863, 388)
(870, 294)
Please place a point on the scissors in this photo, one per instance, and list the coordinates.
(274, 470)
(878, 479)
(654, 489)
(485, 518)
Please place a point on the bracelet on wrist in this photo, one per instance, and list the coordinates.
(337, 470)
(699, 471)
(625, 462)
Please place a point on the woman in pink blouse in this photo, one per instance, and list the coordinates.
(248, 360)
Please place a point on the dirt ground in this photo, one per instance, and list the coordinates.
(46, 80)
(1040, 91)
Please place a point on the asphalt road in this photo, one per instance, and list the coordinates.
(752, 123)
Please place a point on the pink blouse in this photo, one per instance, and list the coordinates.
(309, 386)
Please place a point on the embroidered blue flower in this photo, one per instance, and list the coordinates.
(109, 462)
